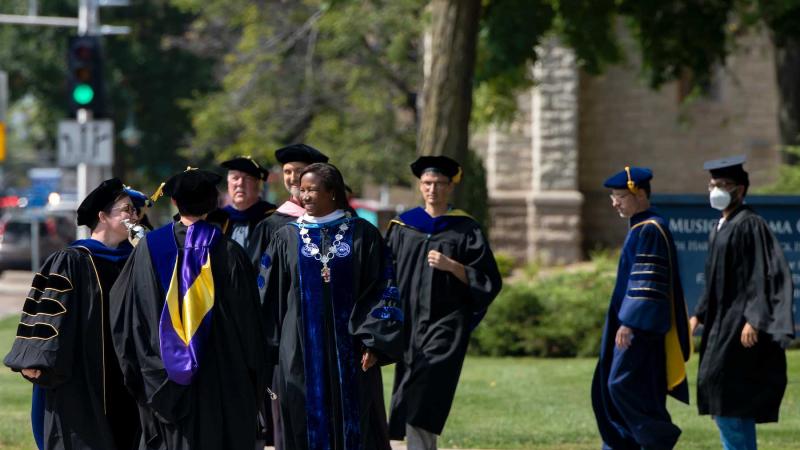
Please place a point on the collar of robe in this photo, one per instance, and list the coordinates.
(291, 208)
(419, 219)
(255, 212)
(323, 220)
(188, 286)
(98, 249)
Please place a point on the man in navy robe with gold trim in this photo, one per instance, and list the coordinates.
(646, 338)
(187, 330)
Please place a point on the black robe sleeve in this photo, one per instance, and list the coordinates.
(252, 337)
(769, 283)
(276, 288)
(376, 318)
(49, 326)
(480, 266)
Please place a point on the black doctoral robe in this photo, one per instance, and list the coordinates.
(218, 408)
(319, 331)
(262, 235)
(747, 280)
(64, 332)
(440, 312)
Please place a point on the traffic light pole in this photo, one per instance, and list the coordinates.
(88, 25)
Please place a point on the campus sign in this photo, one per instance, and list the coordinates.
(691, 219)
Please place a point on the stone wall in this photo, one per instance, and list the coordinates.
(532, 167)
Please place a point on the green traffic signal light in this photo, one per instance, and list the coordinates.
(83, 94)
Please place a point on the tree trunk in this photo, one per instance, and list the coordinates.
(447, 96)
(787, 68)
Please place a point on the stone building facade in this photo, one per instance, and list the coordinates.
(545, 170)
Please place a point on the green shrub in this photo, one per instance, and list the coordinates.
(557, 315)
(505, 263)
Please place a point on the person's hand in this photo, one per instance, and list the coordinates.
(694, 322)
(624, 336)
(749, 335)
(440, 261)
(368, 359)
(33, 374)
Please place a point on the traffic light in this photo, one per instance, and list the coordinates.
(85, 86)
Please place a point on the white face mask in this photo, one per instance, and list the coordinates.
(719, 198)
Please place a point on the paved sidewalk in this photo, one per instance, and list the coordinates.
(14, 286)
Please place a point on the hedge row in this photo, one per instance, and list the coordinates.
(557, 315)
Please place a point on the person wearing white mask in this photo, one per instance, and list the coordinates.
(746, 313)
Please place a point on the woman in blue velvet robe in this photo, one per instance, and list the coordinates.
(329, 322)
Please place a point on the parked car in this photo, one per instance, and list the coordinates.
(56, 231)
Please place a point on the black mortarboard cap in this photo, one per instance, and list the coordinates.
(629, 178)
(193, 186)
(300, 153)
(97, 200)
(730, 167)
(247, 165)
(440, 164)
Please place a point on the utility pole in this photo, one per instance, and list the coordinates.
(88, 24)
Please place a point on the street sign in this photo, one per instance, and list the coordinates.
(91, 143)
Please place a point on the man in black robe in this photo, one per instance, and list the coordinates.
(293, 159)
(646, 338)
(245, 182)
(746, 313)
(187, 329)
(63, 343)
(331, 316)
(447, 276)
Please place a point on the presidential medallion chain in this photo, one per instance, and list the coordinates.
(337, 247)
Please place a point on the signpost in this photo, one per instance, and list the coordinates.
(691, 219)
(90, 143)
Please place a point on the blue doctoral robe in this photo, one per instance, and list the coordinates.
(630, 386)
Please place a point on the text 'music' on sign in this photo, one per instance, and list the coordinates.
(91, 143)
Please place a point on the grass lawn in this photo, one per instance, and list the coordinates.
(501, 403)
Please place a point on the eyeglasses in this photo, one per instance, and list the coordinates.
(130, 209)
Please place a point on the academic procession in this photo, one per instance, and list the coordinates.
(251, 324)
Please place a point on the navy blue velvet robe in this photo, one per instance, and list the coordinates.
(630, 386)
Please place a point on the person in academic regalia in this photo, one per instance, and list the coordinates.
(141, 202)
(447, 277)
(293, 159)
(63, 343)
(187, 330)
(331, 316)
(646, 339)
(746, 313)
(245, 182)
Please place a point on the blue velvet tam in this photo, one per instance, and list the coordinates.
(629, 178)
(139, 199)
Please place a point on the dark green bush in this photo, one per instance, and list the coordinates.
(556, 315)
(505, 263)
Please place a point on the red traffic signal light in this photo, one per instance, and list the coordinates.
(85, 76)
